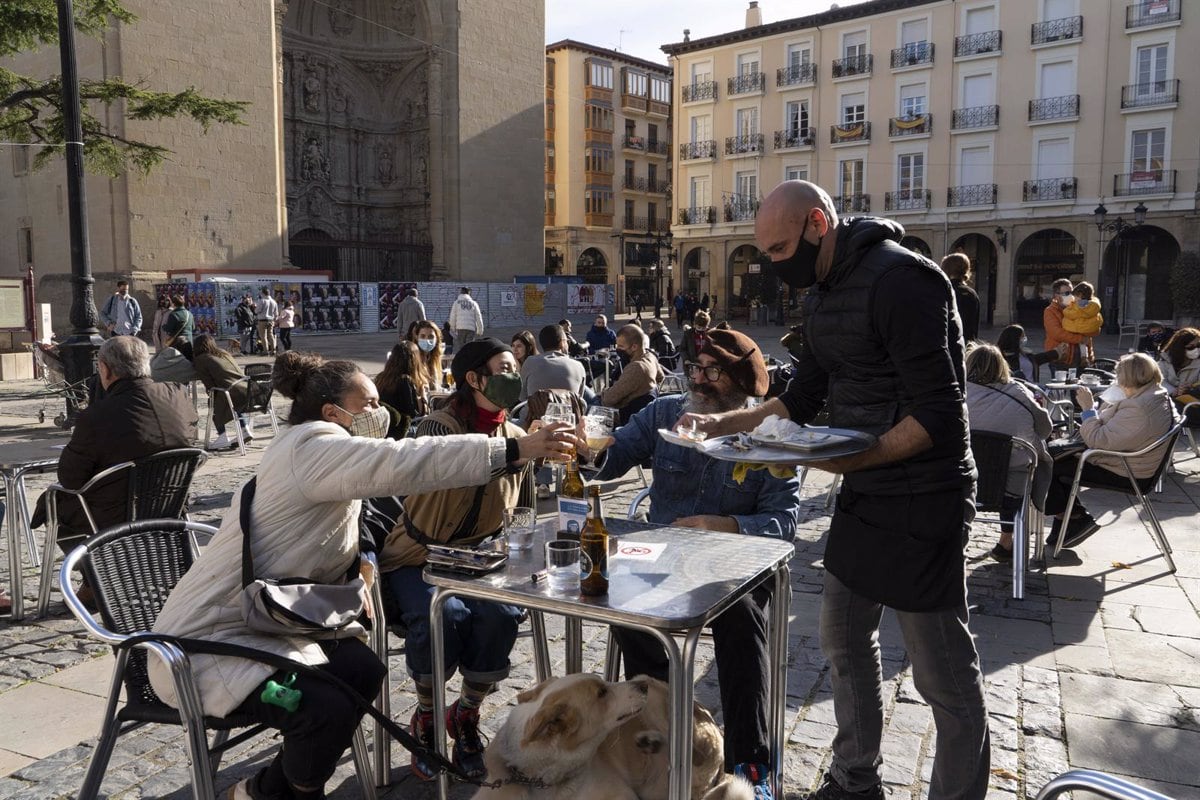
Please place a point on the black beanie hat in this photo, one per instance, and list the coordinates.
(473, 355)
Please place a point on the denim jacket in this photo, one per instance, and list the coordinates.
(687, 482)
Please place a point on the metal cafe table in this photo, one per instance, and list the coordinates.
(697, 575)
(18, 459)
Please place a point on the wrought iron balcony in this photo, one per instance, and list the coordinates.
(1056, 30)
(633, 183)
(911, 55)
(658, 186)
(853, 65)
(692, 150)
(744, 84)
(910, 126)
(644, 224)
(1150, 181)
(1152, 12)
(1050, 189)
(658, 147)
(1151, 93)
(852, 203)
(850, 132)
(974, 44)
(740, 208)
(797, 75)
(750, 143)
(633, 142)
(698, 215)
(979, 194)
(975, 117)
(796, 137)
(908, 200)
(1045, 108)
(704, 90)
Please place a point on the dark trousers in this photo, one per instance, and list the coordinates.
(285, 338)
(317, 733)
(740, 642)
(1092, 475)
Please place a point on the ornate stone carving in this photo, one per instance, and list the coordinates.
(311, 88)
(341, 17)
(314, 164)
(420, 165)
(384, 166)
(404, 16)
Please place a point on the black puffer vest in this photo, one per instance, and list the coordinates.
(865, 391)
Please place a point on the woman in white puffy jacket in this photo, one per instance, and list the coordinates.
(304, 523)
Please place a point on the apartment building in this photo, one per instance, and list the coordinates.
(1000, 129)
(608, 169)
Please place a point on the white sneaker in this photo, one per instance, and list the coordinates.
(247, 429)
(241, 790)
(222, 442)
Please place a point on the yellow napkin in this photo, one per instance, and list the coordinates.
(781, 471)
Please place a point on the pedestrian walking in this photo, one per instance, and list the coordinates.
(268, 309)
(121, 315)
(286, 321)
(410, 311)
(244, 317)
(466, 320)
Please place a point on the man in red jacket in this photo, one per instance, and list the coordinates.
(1056, 334)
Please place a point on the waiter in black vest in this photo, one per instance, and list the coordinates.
(883, 351)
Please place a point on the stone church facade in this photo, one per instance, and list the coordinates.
(386, 139)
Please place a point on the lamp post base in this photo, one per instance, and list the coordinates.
(78, 354)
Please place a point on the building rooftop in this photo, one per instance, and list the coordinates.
(616, 55)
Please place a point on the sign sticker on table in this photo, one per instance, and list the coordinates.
(640, 551)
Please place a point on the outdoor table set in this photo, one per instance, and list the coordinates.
(18, 459)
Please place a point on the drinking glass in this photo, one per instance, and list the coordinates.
(562, 566)
(519, 526)
(561, 412)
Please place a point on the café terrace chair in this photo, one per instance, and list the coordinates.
(158, 489)
(1138, 487)
(258, 402)
(1190, 427)
(1099, 783)
(132, 569)
(993, 459)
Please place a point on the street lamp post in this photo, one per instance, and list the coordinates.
(1117, 228)
(79, 350)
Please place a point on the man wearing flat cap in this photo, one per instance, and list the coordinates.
(694, 491)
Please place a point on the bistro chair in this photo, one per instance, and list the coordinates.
(258, 402)
(158, 489)
(1138, 487)
(132, 569)
(1099, 783)
(993, 459)
(1191, 423)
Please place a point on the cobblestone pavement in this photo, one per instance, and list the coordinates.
(1096, 668)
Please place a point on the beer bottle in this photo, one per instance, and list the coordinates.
(593, 579)
(572, 502)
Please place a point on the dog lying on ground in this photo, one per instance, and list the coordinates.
(582, 738)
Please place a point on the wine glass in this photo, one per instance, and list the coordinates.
(560, 412)
(599, 424)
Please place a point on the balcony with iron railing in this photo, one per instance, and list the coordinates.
(853, 65)
(978, 44)
(630, 142)
(914, 54)
(658, 147)
(1152, 12)
(690, 151)
(647, 225)
(975, 117)
(740, 208)
(852, 203)
(850, 132)
(1048, 108)
(633, 183)
(908, 200)
(747, 83)
(796, 75)
(795, 137)
(658, 186)
(1050, 190)
(702, 90)
(1056, 30)
(915, 125)
(979, 194)
(748, 144)
(1150, 94)
(698, 215)
(1149, 181)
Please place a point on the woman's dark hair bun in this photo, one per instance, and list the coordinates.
(292, 370)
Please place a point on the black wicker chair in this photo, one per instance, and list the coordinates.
(158, 489)
(993, 459)
(259, 390)
(132, 569)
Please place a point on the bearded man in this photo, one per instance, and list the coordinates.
(692, 490)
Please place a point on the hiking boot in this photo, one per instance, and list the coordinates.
(1080, 528)
(1002, 554)
(759, 776)
(463, 726)
(831, 790)
(422, 730)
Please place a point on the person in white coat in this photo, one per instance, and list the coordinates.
(466, 320)
(304, 522)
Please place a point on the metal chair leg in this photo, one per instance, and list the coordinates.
(1160, 538)
(362, 765)
(109, 731)
(831, 498)
(48, 548)
(1020, 551)
(237, 424)
(541, 648)
(612, 658)
(214, 755)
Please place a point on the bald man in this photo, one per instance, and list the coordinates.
(883, 352)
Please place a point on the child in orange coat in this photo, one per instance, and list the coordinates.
(1083, 317)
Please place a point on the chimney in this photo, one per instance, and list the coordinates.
(753, 15)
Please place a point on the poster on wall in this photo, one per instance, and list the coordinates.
(535, 300)
(231, 295)
(586, 298)
(329, 306)
(508, 298)
(390, 295)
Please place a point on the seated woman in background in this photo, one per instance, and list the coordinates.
(1144, 414)
(523, 346)
(1022, 363)
(304, 515)
(402, 385)
(479, 635)
(216, 369)
(997, 403)
(1180, 363)
(428, 339)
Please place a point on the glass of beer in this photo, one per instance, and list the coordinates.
(598, 426)
(560, 413)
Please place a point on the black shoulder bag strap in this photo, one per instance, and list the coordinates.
(244, 517)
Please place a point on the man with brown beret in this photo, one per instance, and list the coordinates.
(694, 491)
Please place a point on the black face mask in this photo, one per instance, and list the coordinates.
(624, 357)
(800, 269)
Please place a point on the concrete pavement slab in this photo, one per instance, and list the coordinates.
(91, 677)
(1142, 751)
(10, 762)
(1149, 657)
(41, 720)
(1127, 700)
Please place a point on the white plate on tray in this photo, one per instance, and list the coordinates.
(803, 440)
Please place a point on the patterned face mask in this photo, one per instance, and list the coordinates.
(371, 423)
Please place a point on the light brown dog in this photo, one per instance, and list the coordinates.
(582, 738)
